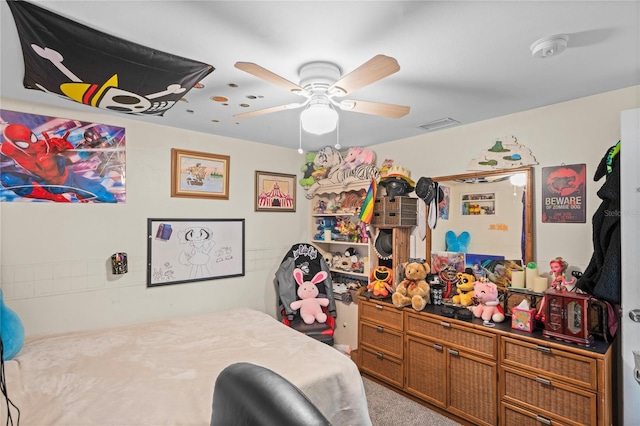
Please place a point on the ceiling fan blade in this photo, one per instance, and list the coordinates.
(269, 110)
(269, 76)
(376, 68)
(375, 108)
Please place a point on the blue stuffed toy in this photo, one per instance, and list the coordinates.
(11, 331)
(458, 244)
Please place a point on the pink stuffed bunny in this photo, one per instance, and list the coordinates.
(310, 305)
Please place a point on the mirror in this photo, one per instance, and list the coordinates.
(494, 207)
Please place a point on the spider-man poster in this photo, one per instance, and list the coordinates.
(50, 159)
(564, 195)
(68, 59)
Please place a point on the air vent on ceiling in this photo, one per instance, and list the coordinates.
(441, 123)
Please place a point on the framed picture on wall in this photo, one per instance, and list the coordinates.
(564, 194)
(199, 174)
(275, 192)
(188, 250)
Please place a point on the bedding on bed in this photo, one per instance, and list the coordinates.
(163, 373)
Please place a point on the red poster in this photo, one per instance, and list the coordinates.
(564, 195)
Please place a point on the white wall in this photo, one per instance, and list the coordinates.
(54, 257)
(573, 132)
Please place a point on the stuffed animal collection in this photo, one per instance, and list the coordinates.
(486, 294)
(310, 304)
(414, 289)
(380, 281)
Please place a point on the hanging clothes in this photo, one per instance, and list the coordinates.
(602, 277)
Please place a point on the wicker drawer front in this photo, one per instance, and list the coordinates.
(473, 388)
(467, 338)
(427, 370)
(384, 367)
(548, 398)
(402, 211)
(388, 341)
(381, 314)
(513, 415)
(572, 368)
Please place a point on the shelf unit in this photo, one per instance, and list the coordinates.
(475, 204)
(335, 211)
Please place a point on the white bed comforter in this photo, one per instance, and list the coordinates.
(163, 373)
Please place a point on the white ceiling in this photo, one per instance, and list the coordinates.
(469, 61)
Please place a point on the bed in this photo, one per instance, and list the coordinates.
(163, 373)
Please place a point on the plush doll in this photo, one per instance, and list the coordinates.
(357, 156)
(380, 280)
(464, 288)
(458, 244)
(11, 330)
(308, 169)
(486, 293)
(309, 304)
(414, 289)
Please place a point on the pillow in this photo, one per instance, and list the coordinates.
(11, 331)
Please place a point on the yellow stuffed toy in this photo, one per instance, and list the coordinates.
(380, 281)
(413, 290)
(464, 289)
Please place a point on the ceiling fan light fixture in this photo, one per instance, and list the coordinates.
(319, 119)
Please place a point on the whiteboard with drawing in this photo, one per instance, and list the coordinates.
(187, 250)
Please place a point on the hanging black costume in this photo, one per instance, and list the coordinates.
(602, 277)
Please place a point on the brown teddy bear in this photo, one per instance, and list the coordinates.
(413, 290)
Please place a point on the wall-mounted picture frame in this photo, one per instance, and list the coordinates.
(275, 192)
(199, 174)
(188, 250)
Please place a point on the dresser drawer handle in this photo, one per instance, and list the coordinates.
(543, 349)
(454, 353)
(437, 347)
(379, 307)
(380, 329)
(445, 324)
(543, 381)
(543, 420)
(379, 355)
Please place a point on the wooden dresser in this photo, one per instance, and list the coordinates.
(483, 375)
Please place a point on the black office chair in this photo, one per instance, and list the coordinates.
(246, 394)
(307, 258)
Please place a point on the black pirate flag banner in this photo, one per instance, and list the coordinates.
(68, 59)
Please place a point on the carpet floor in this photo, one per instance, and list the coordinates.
(389, 408)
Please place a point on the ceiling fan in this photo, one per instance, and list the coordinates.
(321, 83)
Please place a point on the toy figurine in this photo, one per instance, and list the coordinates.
(559, 282)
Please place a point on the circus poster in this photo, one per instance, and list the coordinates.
(564, 195)
(50, 159)
(275, 192)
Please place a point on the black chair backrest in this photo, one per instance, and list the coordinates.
(248, 394)
(307, 258)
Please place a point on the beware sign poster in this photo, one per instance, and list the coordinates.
(564, 197)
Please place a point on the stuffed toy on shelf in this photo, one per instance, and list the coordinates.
(489, 309)
(414, 289)
(380, 280)
(464, 288)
